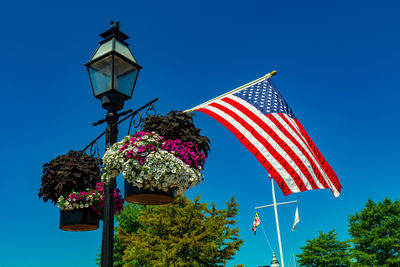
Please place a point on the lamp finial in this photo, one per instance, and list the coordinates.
(114, 25)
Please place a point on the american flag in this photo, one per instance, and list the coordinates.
(263, 122)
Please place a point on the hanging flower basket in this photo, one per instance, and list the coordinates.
(164, 159)
(153, 164)
(136, 195)
(73, 181)
(81, 211)
(79, 220)
(75, 171)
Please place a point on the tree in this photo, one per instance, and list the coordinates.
(376, 234)
(183, 233)
(325, 250)
(128, 220)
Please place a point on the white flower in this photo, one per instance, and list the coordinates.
(161, 170)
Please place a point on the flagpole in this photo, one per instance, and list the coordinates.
(266, 76)
(277, 222)
(282, 203)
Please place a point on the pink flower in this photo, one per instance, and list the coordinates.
(188, 144)
(169, 141)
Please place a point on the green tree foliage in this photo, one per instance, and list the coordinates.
(325, 250)
(128, 220)
(183, 233)
(376, 234)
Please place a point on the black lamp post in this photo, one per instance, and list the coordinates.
(113, 71)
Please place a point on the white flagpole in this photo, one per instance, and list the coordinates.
(282, 203)
(277, 222)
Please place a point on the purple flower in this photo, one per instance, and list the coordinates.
(125, 146)
(129, 154)
(169, 142)
(188, 144)
(142, 148)
(177, 141)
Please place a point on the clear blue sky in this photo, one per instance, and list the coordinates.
(337, 64)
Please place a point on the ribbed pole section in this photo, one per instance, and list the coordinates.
(108, 214)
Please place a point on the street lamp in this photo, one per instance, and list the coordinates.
(113, 71)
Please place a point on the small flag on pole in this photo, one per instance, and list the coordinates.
(296, 219)
(258, 115)
(256, 223)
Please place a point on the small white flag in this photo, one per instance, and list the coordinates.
(296, 219)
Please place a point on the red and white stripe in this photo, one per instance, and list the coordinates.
(279, 142)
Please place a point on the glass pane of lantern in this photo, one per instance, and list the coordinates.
(124, 76)
(103, 49)
(124, 50)
(100, 75)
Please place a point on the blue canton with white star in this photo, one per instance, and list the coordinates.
(266, 98)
